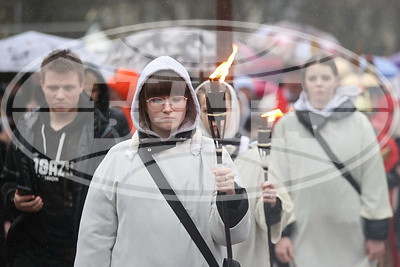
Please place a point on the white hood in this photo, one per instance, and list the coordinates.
(342, 94)
(160, 64)
(233, 121)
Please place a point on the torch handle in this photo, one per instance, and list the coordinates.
(218, 152)
(216, 110)
(265, 169)
(264, 151)
(227, 230)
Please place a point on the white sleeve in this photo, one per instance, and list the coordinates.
(375, 203)
(99, 223)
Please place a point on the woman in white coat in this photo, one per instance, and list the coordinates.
(269, 202)
(126, 219)
(339, 221)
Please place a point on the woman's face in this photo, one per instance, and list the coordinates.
(204, 117)
(90, 86)
(320, 84)
(166, 120)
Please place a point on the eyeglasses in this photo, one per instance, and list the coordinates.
(158, 103)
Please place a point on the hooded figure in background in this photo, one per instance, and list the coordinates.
(334, 199)
(127, 220)
(267, 204)
(233, 140)
(96, 87)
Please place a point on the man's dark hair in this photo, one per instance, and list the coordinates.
(62, 61)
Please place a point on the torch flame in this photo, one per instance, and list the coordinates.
(272, 115)
(223, 69)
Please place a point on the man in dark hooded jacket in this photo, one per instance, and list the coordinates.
(53, 155)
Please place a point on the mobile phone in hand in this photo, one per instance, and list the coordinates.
(24, 190)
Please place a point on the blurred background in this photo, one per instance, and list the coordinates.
(370, 27)
(283, 35)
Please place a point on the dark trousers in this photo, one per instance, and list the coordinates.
(29, 258)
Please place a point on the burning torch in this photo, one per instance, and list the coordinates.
(216, 114)
(264, 138)
(264, 149)
(216, 102)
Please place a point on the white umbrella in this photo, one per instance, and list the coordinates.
(193, 47)
(294, 43)
(25, 51)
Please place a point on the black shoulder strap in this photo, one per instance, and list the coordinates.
(339, 165)
(305, 120)
(176, 205)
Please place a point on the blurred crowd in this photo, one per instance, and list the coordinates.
(374, 94)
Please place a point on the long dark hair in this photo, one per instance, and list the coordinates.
(165, 83)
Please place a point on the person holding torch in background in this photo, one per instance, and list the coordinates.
(327, 155)
(269, 202)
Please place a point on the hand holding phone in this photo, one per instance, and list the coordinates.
(24, 200)
(24, 190)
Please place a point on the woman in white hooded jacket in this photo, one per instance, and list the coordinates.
(126, 220)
